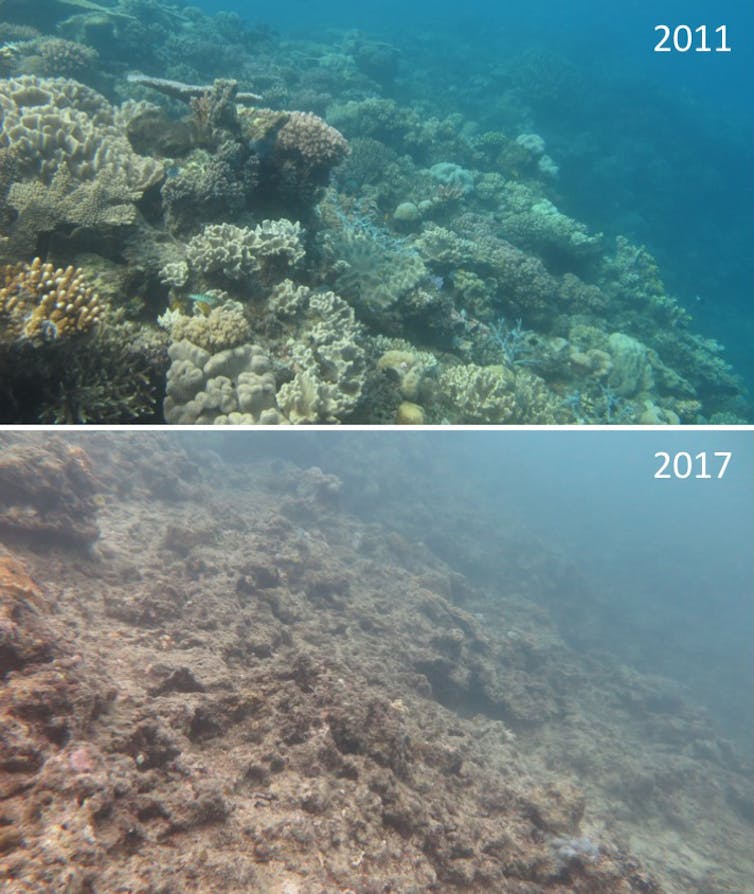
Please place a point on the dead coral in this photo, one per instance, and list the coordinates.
(48, 492)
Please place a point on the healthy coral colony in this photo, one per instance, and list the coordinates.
(201, 223)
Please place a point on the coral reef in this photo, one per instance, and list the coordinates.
(38, 302)
(325, 353)
(109, 374)
(54, 124)
(65, 58)
(225, 326)
(73, 164)
(495, 395)
(231, 386)
(372, 268)
(225, 252)
(239, 160)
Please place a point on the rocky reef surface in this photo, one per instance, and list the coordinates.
(229, 682)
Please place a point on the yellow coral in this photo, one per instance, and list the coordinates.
(41, 302)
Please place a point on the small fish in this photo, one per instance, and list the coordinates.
(48, 330)
(203, 298)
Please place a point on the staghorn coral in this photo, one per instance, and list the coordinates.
(107, 375)
(109, 378)
(41, 303)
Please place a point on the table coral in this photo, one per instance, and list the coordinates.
(74, 167)
(52, 123)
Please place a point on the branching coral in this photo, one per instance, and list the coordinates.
(65, 57)
(107, 375)
(40, 302)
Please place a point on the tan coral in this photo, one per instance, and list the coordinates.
(54, 124)
(324, 354)
(223, 327)
(65, 57)
(41, 302)
(309, 137)
(241, 253)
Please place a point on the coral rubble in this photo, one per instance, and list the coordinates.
(245, 685)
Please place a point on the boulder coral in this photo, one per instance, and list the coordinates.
(235, 385)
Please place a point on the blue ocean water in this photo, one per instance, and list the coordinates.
(657, 147)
